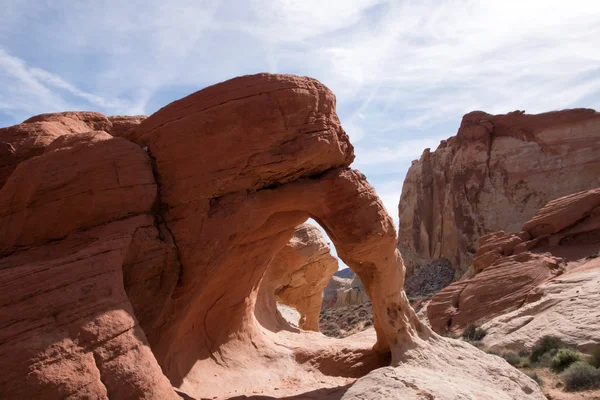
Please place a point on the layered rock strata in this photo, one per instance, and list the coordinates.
(493, 176)
(510, 270)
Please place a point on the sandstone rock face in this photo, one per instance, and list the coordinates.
(330, 293)
(434, 371)
(344, 292)
(509, 269)
(73, 219)
(493, 176)
(296, 277)
(132, 268)
(125, 125)
(567, 308)
(29, 139)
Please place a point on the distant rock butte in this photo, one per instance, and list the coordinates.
(515, 278)
(493, 176)
(131, 263)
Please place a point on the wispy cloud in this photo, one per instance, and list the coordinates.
(404, 71)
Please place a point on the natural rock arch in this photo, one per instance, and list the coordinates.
(228, 230)
(120, 248)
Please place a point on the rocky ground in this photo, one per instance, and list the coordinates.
(345, 321)
(430, 278)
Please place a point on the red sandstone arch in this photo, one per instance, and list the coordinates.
(231, 203)
(168, 247)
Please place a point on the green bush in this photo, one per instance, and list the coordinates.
(544, 345)
(564, 358)
(524, 353)
(595, 358)
(473, 333)
(525, 362)
(512, 358)
(580, 376)
(546, 359)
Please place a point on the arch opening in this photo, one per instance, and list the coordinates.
(213, 329)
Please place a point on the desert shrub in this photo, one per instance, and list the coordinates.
(545, 345)
(524, 353)
(545, 360)
(535, 377)
(595, 358)
(564, 358)
(473, 333)
(525, 362)
(512, 358)
(580, 376)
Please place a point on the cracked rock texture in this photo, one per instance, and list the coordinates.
(515, 279)
(493, 176)
(131, 262)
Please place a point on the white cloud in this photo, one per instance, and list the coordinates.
(403, 72)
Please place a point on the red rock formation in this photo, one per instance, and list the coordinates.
(297, 277)
(72, 222)
(509, 268)
(126, 270)
(494, 175)
(125, 125)
(29, 139)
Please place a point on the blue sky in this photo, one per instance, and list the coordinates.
(404, 72)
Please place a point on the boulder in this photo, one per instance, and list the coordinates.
(493, 176)
(29, 139)
(125, 125)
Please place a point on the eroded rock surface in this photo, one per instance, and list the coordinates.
(125, 125)
(567, 308)
(514, 271)
(132, 267)
(296, 277)
(73, 221)
(493, 176)
(434, 371)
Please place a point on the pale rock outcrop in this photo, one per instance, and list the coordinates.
(296, 277)
(567, 308)
(343, 291)
(353, 293)
(445, 369)
(142, 273)
(330, 292)
(493, 176)
(522, 271)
